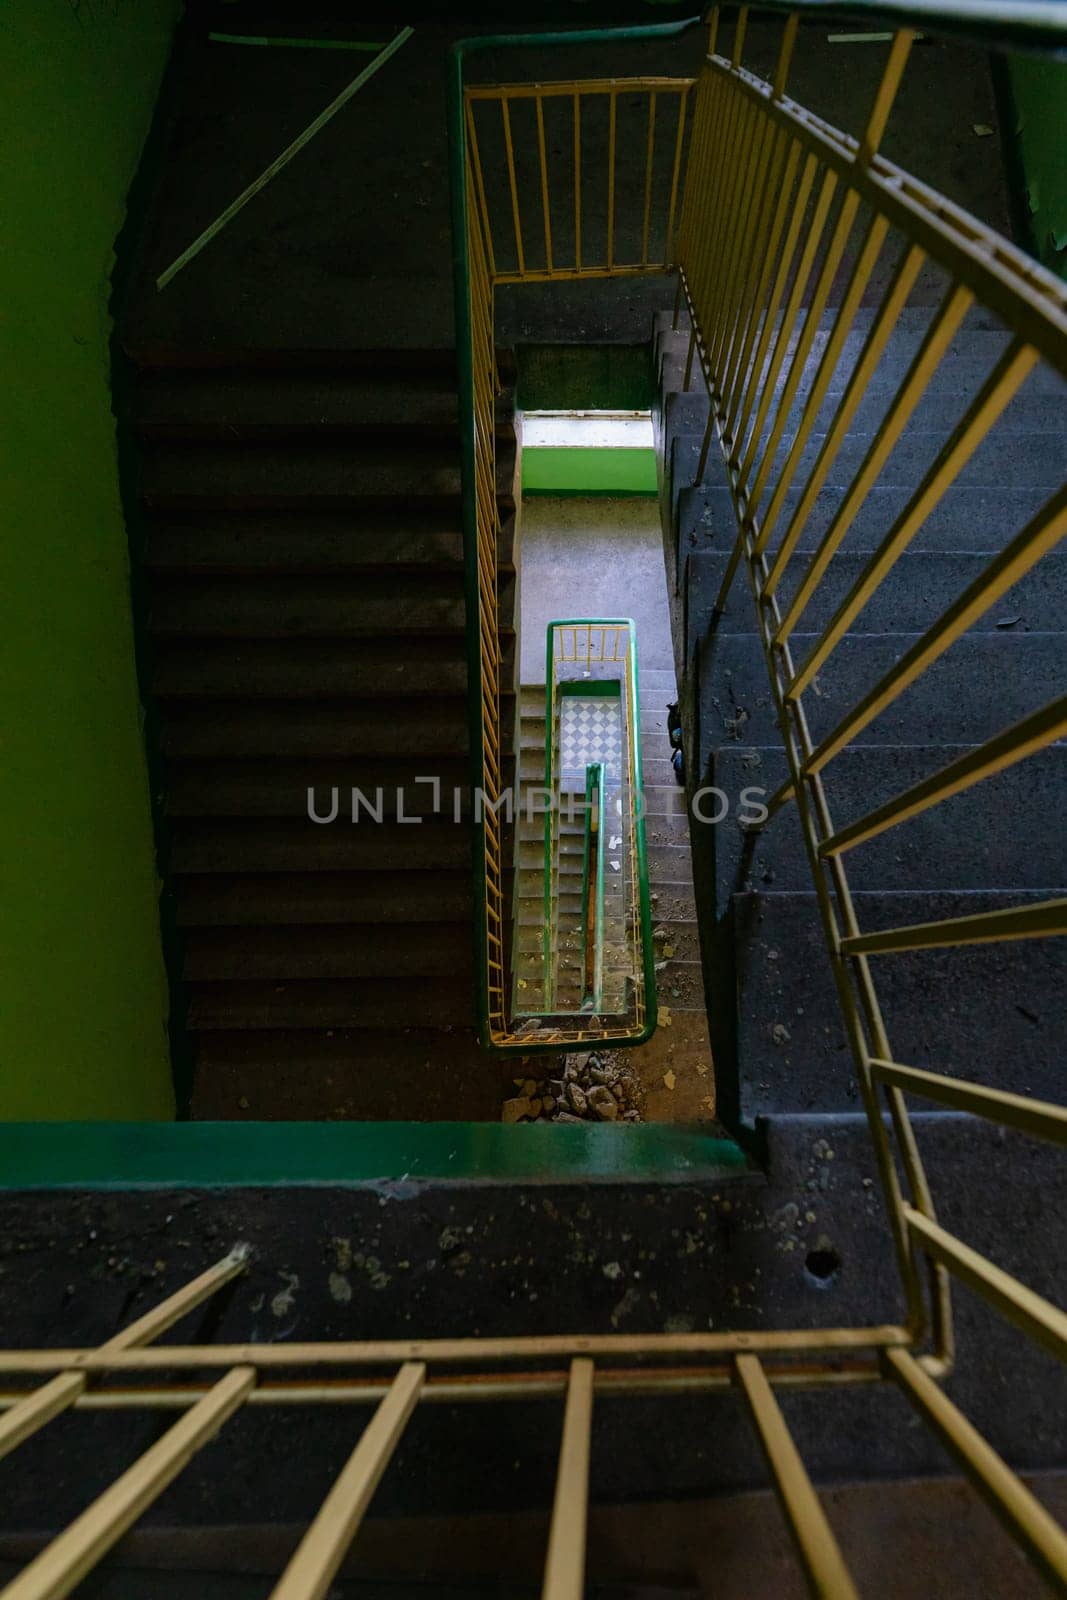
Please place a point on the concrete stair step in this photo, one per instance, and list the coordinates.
(975, 840)
(969, 518)
(308, 474)
(981, 685)
(193, 405)
(992, 1013)
(323, 953)
(309, 668)
(295, 899)
(267, 608)
(227, 788)
(1022, 459)
(433, 363)
(320, 728)
(221, 847)
(684, 413)
(961, 372)
(379, 1002)
(914, 594)
(375, 1075)
(302, 544)
(615, 961)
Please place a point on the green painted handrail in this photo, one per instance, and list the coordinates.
(457, 169)
(1000, 24)
(631, 715)
(594, 785)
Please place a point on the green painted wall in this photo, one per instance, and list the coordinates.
(608, 469)
(82, 986)
(1039, 93)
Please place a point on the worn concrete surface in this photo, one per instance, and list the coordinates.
(596, 556)
(916, 1536)
(350, 244)
(420, 1261)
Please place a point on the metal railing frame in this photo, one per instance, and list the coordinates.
(757, 164)
(206, 1385)
(477, 274)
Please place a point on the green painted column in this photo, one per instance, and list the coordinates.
(82, 984)
(1039, 93)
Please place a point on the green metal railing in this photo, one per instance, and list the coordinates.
(476, 273)
(594, 854)
(774, 200)
(582, 645)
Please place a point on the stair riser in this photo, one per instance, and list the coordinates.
(915, 593)
(984, 683)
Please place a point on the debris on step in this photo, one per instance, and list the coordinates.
(593, 1086)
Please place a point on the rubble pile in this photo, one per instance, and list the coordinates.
(586, 1086)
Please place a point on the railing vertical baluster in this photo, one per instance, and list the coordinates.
(62, 1391)
(544, 180)
(739, 36)
(899, 51)
(733, 389)
(820, 295)
(479, 181)
(611, 178)
(74, 1553)
(881, 331)
(313, 1565)
(785, 55)
(565, 1565)
(510, 153)
(713, 221)
(939, 336)
(735, 204)
(820, 1556)
(679, 140)
(997, 392)
(850, 303)
(827, 190)
(799, 203)
(648, 175)
(578, 181)
(737, 271)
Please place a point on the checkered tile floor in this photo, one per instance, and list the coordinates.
(590, 730)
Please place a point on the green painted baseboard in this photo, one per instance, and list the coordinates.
(615, 470)
(124, 1155)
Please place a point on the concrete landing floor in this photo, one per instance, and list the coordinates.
(595, 556)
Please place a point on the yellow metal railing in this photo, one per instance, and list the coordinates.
(583, 219)
(782, 234)
(574, 230)
(779, 207)
(209, 1384)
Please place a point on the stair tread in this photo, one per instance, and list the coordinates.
(982, 684)
(234, 728)
(914, 594)
(301, 543)
(319, 954)
(309, 668)
(992, 1013)
(290, 899)
(308, 473)
(270, 788)
(373, 1074)
(296, 607)
(974, 840)
(379, 1002)
(228, 847)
